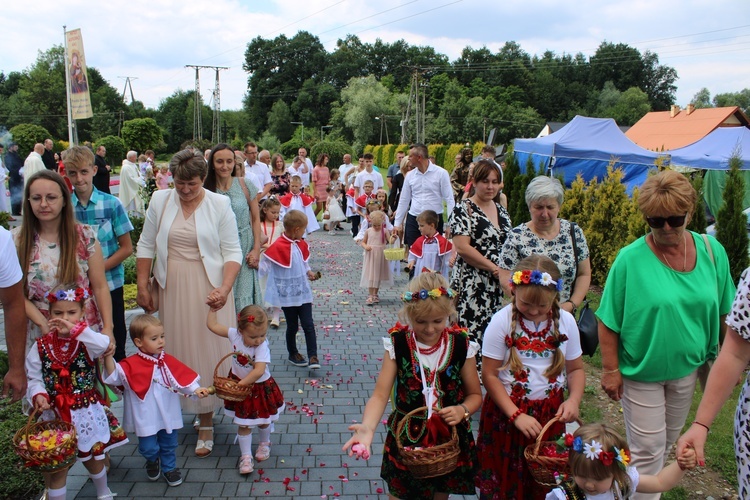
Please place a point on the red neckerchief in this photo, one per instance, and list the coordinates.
(362, 200)
(350, 193)
(444, 246)
(286, 200)
(139, 370)
(280, 252)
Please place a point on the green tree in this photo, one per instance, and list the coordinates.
(279, 121)
(141, 134)
(26, 135)
(698, 217)
(702, 98)
(362, 100)
(631, 106)
(741, 99)
(731, 223)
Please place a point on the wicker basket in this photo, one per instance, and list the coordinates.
(428, 462)
(228, 389)
(396, 253)
(62, 456)
(544, 468)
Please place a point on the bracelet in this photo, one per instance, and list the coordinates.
(467, 413)
(708, 429)
(514, 416)
(608, 372)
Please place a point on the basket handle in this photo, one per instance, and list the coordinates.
(216, 370)
(546, 427)
(27, 427)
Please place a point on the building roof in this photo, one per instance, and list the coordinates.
(666, 130)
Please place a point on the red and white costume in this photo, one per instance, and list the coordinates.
(431, 253)
(285, 265)
(303, 203)
(151, 385)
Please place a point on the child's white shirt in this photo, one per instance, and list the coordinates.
(559, 494)
(538, 385)
(158, 410)
(260, 354)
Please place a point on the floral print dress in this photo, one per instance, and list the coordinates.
(42, 276)
(479, 293)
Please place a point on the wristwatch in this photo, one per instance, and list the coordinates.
(467, 413)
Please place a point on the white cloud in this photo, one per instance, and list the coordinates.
(153, 40)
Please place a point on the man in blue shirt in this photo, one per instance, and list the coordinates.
(105, 213)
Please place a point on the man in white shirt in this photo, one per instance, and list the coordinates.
(368, 174)
(33, 163)
(257, 172)
(345, 169)
(425, 188)
(305, 176)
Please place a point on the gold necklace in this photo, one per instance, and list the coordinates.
(684, 262)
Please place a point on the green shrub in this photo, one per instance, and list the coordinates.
(135, 234)
(115, 149)
(26, 135)
(450, 154)
(141, 134)
(18, 482)
(731, 223)
(291, 147)
(130, 273)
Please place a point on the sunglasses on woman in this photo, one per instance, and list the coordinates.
(672, 220)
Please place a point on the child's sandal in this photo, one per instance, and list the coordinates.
(375, 299)
(369, 300)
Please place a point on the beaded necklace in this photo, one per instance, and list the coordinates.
(61, 349)
(541, 333)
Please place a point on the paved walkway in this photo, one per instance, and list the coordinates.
(306, 459)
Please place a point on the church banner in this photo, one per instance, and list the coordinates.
(80, 100)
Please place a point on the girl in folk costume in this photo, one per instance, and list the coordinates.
(430, 364)
(599, 465)
(262, 407)
(295, 199)
(431, 250)
(375, 269)
(531, 349)
(270, 228)
(152, 382)
(61, 374)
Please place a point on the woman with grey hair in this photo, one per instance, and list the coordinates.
(193, 234)
(546, 234)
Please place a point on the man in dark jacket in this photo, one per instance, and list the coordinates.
(48, 157)
(14, 164)
(101, 178)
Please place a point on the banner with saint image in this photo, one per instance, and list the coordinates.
(80, 100)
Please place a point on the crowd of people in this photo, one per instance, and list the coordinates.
(225, 250)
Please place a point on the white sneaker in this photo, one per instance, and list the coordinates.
(246, 464)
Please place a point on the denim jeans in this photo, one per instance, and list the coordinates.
(161, 446)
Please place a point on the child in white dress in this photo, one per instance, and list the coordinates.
(599, 461)
(262, 407)
(152, 382)
(295, 199)
(431, 250)
(333, 207)
(270, 228)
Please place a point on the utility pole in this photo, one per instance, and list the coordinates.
(197, 115)
(128, 83)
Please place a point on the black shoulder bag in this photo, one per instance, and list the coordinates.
(588, 327)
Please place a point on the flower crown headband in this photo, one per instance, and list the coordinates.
(425, 294)
(535, 277)
(594, 451)
(72, 295)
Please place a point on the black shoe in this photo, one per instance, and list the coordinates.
(173, 477)
(153, 470)
(339, 228)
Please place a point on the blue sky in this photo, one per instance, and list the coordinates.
(706, 41)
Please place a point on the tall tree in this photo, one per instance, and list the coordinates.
(361, 101)
(279, 121)
(702, 98)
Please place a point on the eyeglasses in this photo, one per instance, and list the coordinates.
(673, 221)
(51, 199)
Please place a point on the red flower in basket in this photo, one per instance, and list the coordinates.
(568, 440)
(607, 457)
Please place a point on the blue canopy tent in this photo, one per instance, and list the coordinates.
(712, 153)
(586, 146)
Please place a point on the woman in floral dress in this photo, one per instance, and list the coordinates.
(479, 226)
(54, 249)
